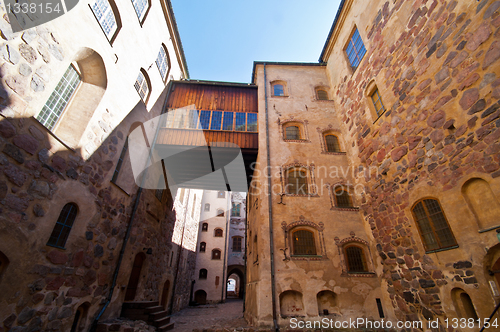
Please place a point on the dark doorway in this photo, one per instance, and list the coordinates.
(134, 277)
(200, 297)
(164, 296)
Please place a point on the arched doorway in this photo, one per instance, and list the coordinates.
(237, 273)
(164, 295)
(233, 286)
(200, 296)
(134, 276)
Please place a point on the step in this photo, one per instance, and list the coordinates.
(158, 315)
(139, 305)
(162, 321)
(167, 327)
(151, 310)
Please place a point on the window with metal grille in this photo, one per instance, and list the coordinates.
(59, 99)
(432, 225)
(292, 132)
(142, 86)
(303, 243)
(251, 121)
(216, 254)
(278, 90)
(203, 274)
(105, 16)
(297, 181)
(343, 198)
(355, 259)
(204, 227)
(218, 232)
(355, 49)
(221, 194)
(63, 226)
(237, 243)
(207, 207)
(162, 62)
(321, 94)
(120, 161)
(235, 210)
(140, 7)
(203, 246)
(332, 143)
(377, 102)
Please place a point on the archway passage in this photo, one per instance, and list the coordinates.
(164, 295)
(200, 297)
(233, 286)
(237, 273)
(134, 277)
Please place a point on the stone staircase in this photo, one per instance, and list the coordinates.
(148, 311)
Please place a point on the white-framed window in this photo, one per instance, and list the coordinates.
(105, 16)
(59, 99)
(162, 62)
(142, 86)
(140, 7)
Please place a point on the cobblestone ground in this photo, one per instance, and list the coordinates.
(228, 316)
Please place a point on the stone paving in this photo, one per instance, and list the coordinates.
(228, 316)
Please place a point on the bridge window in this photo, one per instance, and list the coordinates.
(240, 122)
(216, 120)
(237, 243)
(251, 121)
(211, 120)
(228, 121)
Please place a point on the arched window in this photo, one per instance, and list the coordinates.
(235, 210)
(463, 304)
(355, 259)
(296, 181)
(221, 194)
(342, 196)
(303, 242)
(142, 85)
(141, 8)
(218, 232)
(80, 319)
(63, 226)
(204, 227)
(237, 240)
(216, 253)
(108, 17)
(163, 62)
(203, 246)
(432, 225)
(220, 213)
(332, 143)
(203, 274)
(207, 207)
(355, 49)
(278, 90)
(321, 94)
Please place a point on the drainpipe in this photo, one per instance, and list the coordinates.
(244, 295)
(270, 203)
(174, 284)
(224, 262)
(93, 327)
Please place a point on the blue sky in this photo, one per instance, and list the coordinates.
(222, 38)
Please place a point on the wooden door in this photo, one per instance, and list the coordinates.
(134, 277)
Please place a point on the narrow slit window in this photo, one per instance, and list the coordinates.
(63, 226)
(59, 99)
(377, 102)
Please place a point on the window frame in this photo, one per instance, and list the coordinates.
(207, 207)
(344, 189)
(116, 15)
(167, 62)
(144, 14)
(351, 43)
(203, 247)
(431, 225)
(301, 128)
(236, 207)
(204, 227)
(276, 83)
(362, 257)
(287, 181)
(293, 248)
(216, 232)
(57, 95)
(221, 194)
(321, 89)
(239, 247)
(203, 274)
(220, 213)
(139, 86)
(67, 214)
(216, 251)
(326, 143)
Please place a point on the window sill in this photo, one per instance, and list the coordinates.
(334, 153)
(117, 186)
(484, 230)
(354, 208)
(297, 195)
(359, 274)
(297, 140)
(442, 249)
(54, 246)
(307, 258)
(324, 100)
(273, 96)
(379, 116)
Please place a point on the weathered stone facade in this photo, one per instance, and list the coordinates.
(44, 287)
(435, 67)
